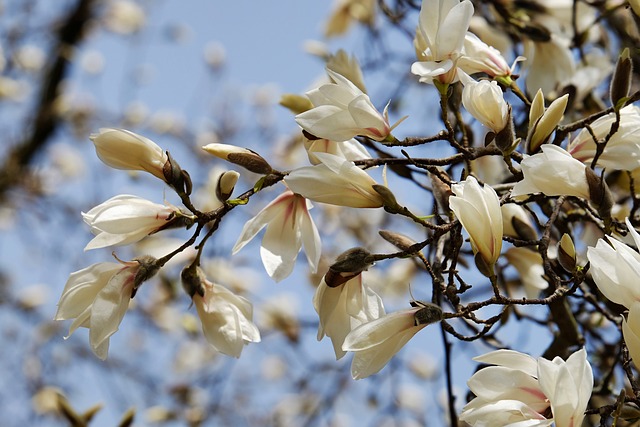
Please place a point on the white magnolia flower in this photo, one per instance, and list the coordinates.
(289, 226)
(478, 210)
(97, 298)
(350, 150)
(553, 172)
(123, 149)
(519, 391)
(126, 219)
(631, 332)
(374, 343)
(485, 101)
(615, 268)
(227, 319)
(479, 57)
(335, 181)
(528, 263)
(568, 386)
(549, 64)
(342, 111)
(343, 308)
(622, 151)
(442, 28)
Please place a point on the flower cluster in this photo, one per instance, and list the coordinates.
(502, 220)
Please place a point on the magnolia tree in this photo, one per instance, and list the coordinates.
(515, 204)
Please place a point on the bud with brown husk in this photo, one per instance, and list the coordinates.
(347, 266)
(567, 253)
(398, 240)
(599, 194)
(621, 80)
(176, 177)
(192, 280)
(428, 313)
(244, 157)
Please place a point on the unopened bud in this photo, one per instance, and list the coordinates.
(523, 229)
(244, 157)
(127, 418)
(388, 199)
(398, 240)
(148, 268)
(567, 253)
(428, 313)
(175, 176)
(226, 184)
(347, 266)
(621, 80)
(192, 280)
(441, 191)
(599, 193)
(506, 138)
(296, 103)
(541, 128)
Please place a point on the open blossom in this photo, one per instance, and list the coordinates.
(126, 219)
(485, 101)
(552, 172)
(622, 151)
(98, 296)
(374, 343)
(615, 268)
(350, 150)
(342, 111)
(227, 319)
(335, 181)
(519, 390)
(123, 149)
(478, 210)
(289, 226)
(479, 57)
(549, 64)
(439, 41)
(343, 308)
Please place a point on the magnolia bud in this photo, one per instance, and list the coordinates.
(428, 313)
(542, 126)
(295, 103)
(441, 191)
(388, 199)
(123, 149)
(192, 278)
(599, 193)
(567, 253)
(621, 80)
(347, 266)
(148, 268)
(226, 184)
(244, 157)
(398, 240)
(175, 176)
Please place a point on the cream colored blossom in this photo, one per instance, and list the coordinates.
(440, 37)
(335, 181)
(342, 111)
(123, 149)
(343, 308)
(126, 219)
(289, 226)
(478, 210)
(98, 296)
